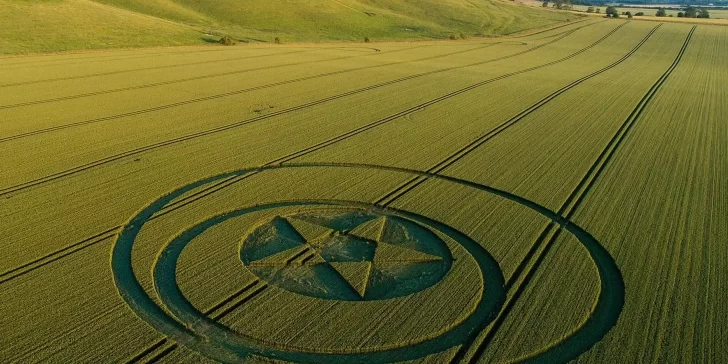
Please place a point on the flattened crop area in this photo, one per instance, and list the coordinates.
(544, 198)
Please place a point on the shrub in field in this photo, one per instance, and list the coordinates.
(226, 40)
(545, 4)
(680, 14)
(661, 12)
(612, 11)
(277, 40)
(453, 37)
(590, 9)
(703, 13)
(639, 13)
(366, 39)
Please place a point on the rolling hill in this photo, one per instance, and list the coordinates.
(60, 25)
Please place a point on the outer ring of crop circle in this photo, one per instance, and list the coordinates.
(606, 312)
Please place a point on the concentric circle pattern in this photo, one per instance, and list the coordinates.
(322, 266)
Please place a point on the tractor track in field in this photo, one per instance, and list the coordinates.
(108, 234)
(82, 60)
(197, 78)
(478, 142)
(461, 153)
(232, 93)
(548, 29)
(105, 55)
(222, 128)
(146, 69)
(614, 142)
(591, 331)
(85, 60)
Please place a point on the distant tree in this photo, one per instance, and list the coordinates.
(703, 13)
(691, 12)
(680, 14)
(545, 4)
(639, 13)
(590, 9)
(661, 12)
(599, 11)
(366, 39)
(462, 36)
(277, 40)
(612, 11)
(563, 4)
(629, 14)
(453, 37)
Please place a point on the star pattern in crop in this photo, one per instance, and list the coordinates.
(355, 264)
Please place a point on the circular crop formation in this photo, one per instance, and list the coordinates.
(343, 281)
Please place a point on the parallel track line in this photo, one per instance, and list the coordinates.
(568, 209)
(195, 135)
(6, 276)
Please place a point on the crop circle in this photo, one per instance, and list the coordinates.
(182, 322)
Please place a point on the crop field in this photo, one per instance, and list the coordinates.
(650, 11)
(555, 196)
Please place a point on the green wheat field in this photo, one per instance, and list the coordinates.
(558, 194)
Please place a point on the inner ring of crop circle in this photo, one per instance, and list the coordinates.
(335, 237)
(169, 293)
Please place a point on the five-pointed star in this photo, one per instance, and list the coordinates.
(352, 254)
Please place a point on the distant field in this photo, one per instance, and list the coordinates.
(650, 11)
(546, 197)
(61, 25)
